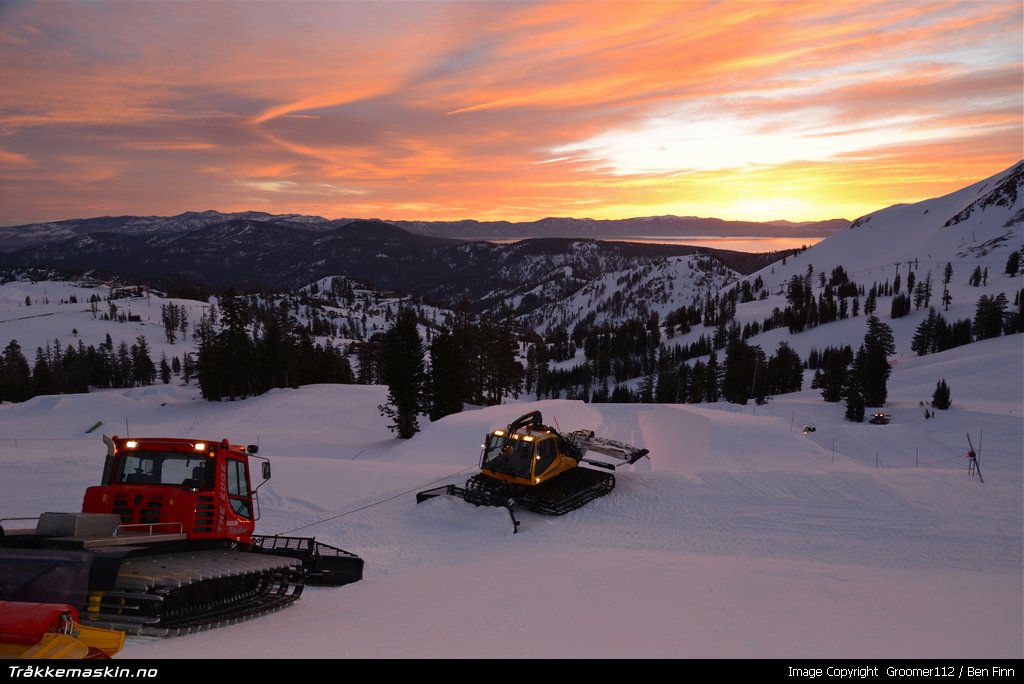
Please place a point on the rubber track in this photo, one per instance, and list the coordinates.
(557, 496)
(174, 594)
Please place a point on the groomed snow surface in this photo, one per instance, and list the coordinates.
(741, 537)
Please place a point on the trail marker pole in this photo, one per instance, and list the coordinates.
(972, 465)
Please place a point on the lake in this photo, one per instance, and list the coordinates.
(738, 243)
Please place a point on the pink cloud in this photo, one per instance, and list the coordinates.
(455, 110)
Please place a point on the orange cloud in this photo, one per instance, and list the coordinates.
(504, 110)
(322, 100)
(14, 159)
(169, 145)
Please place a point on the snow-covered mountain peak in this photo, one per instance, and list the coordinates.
(980, 224)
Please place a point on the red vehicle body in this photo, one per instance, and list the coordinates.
(200, 488)
(165, 544)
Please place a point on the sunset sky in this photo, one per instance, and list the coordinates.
(503, 110)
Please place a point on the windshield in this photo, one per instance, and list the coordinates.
(166, 467)
(508, 456)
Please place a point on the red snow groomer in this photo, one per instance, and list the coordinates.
(166, 544)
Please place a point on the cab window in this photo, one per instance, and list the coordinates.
(238, 488)
(546, 452)
(508, 456)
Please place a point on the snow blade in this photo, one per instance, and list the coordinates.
(446, 490)
(475, 495)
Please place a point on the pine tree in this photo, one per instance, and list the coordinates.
(234, 349)
(927, 338)
(941, 398)
(919, 295)
(697, 389)
(712, 382)
(278, 359)
(503, 374)
(165, 370)
(988, 317)
(449, 377)
(645, 389)
(854, 406)
(143, 370)
(871, 363)
(123, 366)
(671, 382)
(368, 359)
(744, 373)
(207, 366)
(43, 381)
(402, 370)
(1015, 318)
(15, 374)
(1012, 264)
(900, 306)
(871, 302)
(79, 366)
(834, 374)
(853, 391)
(784, 371)
(169, 316)
(188, 369)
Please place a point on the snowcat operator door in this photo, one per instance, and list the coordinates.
(239, 492)
(240, 518)
(547, 454)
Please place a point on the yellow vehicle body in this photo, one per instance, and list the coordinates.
(52, 631)
(527, 457)
(532, 466)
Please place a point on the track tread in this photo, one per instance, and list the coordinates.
(181, 593)
(558, 496)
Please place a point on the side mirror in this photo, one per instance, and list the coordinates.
(266, 470)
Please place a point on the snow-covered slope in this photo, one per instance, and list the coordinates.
(634, 293)
(36, 314)
(976, 226)
(740, 537)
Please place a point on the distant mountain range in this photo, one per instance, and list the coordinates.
(258, 251)
(18, 237)
(257, 254)
(549, 283)
(648, 226)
